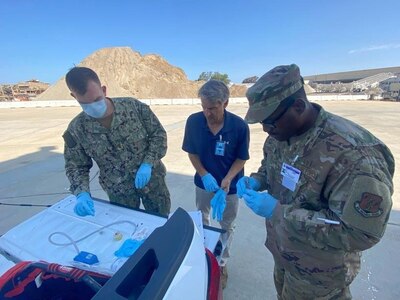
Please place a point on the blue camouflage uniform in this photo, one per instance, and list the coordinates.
(136, 136)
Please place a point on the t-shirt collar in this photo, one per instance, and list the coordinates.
(225, 128)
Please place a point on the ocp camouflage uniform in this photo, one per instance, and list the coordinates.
(135, 136)
(346, 176)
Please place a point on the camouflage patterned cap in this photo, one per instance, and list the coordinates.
(269, 90)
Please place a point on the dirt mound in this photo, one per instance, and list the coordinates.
(308, 89)
(127, 73)
(238, 90)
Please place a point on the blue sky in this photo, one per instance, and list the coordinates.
(42, 39)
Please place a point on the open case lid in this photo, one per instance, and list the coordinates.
(30, 239)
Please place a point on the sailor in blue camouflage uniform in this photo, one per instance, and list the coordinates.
(324, 187)
(126, 140)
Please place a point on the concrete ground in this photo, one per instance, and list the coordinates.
(32, 171)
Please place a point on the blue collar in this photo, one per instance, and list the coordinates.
(227, 122)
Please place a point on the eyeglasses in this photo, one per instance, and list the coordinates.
(271, 124)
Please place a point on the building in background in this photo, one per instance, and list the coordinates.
(391, 88)
(382, 83)
(22, 91)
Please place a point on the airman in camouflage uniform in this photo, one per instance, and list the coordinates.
(131, 136)
(332, 183)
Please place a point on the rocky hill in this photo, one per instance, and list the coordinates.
(128, 73)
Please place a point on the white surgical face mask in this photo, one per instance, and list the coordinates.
(96, 109)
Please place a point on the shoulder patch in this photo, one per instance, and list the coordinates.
(69, 139)
(369, 205)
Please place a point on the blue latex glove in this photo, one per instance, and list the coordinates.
(218, 204)
(143, 175)
(263, 204)
(209, 182)
(84, 205)
(128, 248)
(246, 182)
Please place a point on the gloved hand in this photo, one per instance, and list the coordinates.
(263, 204)
(128, 248)
(84, 205)
(246, 182)
(143, 175)
(218, 204)
(209, 182)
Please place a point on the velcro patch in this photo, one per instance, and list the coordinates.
(69, 139)
(369, 205)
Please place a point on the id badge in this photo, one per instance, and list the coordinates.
(290, 176)
(220, 148)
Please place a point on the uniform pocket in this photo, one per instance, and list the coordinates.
(308, 190)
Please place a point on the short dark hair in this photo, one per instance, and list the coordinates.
(78, 77)
(214, 91)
